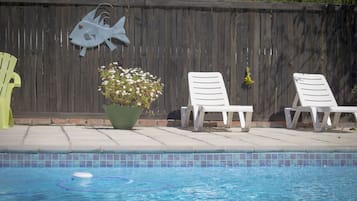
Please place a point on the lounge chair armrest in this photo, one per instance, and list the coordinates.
(16, 79)
(341, 109)
(231, 108)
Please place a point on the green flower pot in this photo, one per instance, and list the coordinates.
(122, 117)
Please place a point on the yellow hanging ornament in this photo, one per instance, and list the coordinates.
(247, 79)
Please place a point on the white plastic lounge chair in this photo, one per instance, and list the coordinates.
(208, 94)
(315, 95)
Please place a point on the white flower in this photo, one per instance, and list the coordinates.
(129, 86)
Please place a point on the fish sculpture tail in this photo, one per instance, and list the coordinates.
(119, 31)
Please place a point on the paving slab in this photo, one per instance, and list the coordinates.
(129, 137)
(83, 138)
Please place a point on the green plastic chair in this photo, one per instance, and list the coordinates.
(8, 80)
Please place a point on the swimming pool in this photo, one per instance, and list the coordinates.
(214, 183)
(180, 176)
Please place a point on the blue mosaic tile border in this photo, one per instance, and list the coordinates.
(236, 159)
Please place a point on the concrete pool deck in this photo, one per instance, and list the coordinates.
(24, 138)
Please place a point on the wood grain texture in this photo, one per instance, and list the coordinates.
(170, 39)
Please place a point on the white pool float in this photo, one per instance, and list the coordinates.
(83, 175)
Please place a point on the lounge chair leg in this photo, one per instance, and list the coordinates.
(225, 118)
(185, 116)
(336, 119)
(325, 121)
(11, 120)
(295, 119)
(242, 120)
(199, 121)
(315, 120)
(247, 122)
(287, 112)
(229, 120)
(4, 118)
(196, 112)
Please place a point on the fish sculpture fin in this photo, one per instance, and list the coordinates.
(103, 15)
(120, 23)
(123, 38)
(90, 16)
(98, 20)
(110, 45)
(102, 23)
(119, 31)
(83, 51)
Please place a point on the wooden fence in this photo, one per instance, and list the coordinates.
(169, 38)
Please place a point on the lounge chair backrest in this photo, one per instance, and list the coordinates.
(8, 80)
(314, 90)
(7, 65)
(207, 89)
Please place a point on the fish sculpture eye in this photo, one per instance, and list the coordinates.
(80, 26)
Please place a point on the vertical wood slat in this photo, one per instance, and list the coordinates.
(267, 68)
(170, 42)
(233, 58)
(252, 52)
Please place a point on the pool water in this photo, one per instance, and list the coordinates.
(165, 184)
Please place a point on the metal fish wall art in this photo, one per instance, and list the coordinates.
(92, 31)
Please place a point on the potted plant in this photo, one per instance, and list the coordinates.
(130, 91)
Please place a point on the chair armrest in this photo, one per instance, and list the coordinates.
(17, 79)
